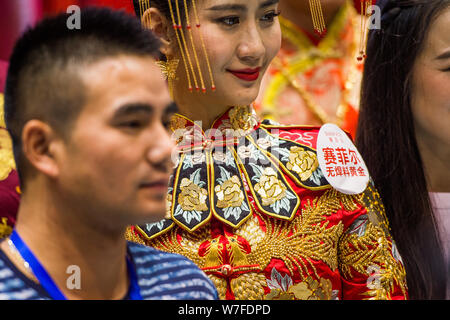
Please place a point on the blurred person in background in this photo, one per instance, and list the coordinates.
(315, 78)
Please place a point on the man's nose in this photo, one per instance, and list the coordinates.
(162, 146)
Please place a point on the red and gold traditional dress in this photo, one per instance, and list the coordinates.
(249, 204)
(9, 180)
(316, 83)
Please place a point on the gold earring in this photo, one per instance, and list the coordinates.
(169, 71)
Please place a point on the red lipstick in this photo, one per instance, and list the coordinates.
(246, 74)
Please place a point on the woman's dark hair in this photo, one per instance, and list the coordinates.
(386, 139)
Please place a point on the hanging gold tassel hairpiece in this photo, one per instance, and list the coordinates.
(365, 14)
(184, 47)
(144, 5)
(177, 30)
(191, 37)
(190, 58)
(205, 53)
(317, 17)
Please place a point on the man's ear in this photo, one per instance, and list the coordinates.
(161, 27)
(40, 146)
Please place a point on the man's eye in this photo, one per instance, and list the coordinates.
(166, 124)
(230, 21)
(132, 124)
(270, 17)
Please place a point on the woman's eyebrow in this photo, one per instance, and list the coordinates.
(268, 3)
(443, 56)
(240, 7)
(228, 7)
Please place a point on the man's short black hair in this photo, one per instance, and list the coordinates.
(43, 79)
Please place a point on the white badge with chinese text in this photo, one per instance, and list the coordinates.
(340, 161)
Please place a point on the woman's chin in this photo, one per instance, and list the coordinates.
(230, 96)
(244, 97)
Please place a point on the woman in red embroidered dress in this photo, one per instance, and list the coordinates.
(248, 201)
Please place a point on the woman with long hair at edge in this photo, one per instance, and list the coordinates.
(404, 135)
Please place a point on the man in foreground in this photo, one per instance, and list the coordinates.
(86, 110)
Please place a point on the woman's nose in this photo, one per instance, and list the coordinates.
(251, 47)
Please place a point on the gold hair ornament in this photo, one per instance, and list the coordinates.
(191, 64)
(317, 17)
(169, 70)
(190, 58)
(365, 14)
(144, 5)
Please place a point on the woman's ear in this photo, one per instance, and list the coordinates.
(161, 27)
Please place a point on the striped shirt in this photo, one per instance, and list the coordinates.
(161, 276)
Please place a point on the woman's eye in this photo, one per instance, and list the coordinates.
(230, 21)
(270, 17)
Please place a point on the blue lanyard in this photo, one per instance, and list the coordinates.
(135, 290)
(47, 282)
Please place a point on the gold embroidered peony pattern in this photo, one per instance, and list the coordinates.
(192, 197)
(312, 289)
(270, 188)
(229, 194)
(282, 288)
(303, 162)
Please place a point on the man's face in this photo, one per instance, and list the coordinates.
(116, 160)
